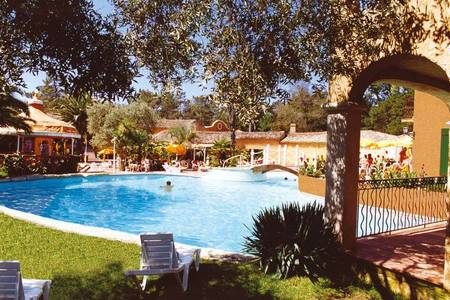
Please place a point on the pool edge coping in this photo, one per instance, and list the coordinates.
(108, 234)
(101, 232)
(50, 176)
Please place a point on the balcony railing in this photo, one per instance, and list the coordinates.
(392, 204)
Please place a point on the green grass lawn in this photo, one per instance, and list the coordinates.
(84, 267)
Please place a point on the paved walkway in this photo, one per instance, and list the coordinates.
(418, 251)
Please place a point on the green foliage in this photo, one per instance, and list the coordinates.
(376, 93)
(241, 156)
(3, 172)
(158, 152)
(293, 240)
(265, 123)
(74, 111)
(17, 165)
(315, 168)
(131, 125)
(163, 36)
(13, 112)
(57, 165)
(130, 138)
(251, 49)
(69, 41)
(386, 116)
(182, 135)
(51, 94)
(202, 109)
(394, 171)
(166, 104)
(303, 109)
(220, 151)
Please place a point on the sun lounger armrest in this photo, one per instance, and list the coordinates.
(151, 272)
(35, 288)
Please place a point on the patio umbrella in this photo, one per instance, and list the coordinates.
(106, 151)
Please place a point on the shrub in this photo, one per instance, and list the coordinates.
(3, 172)
(293, 240)
(16, 165)
(316, 168)
(59, 165)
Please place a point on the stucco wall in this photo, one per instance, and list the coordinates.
(430, 115)
(431, 59)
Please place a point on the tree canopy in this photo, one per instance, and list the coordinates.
(131, 124)
(168, 105)
(303, 109)
(69, 41)
(251, 49)
(386, 116)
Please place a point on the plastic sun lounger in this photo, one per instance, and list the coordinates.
(171, 169)
(159, 257)
(12, 286)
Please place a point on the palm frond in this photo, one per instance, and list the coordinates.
(13, 113)
(182, 134)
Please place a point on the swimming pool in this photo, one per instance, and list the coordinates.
(200, 212)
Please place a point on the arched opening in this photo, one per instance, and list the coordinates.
(343, 202)
(416, 72)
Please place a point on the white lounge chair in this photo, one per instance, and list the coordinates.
(12, 286)
(159, 257)
(171, 169)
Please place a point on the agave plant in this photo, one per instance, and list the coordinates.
(292, 240)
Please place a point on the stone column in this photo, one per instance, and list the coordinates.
(341, 204)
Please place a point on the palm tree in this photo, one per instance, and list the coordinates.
(182, 135)
(221, 150)
(13, 113)
(132, 138)
(74, 110)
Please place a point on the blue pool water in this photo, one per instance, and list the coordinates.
(200, 212)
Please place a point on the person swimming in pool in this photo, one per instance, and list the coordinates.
(168, 187)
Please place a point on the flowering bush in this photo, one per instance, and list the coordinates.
(394, 171)
(314, 168)
(18, 165)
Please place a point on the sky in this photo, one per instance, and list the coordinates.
(104, 7)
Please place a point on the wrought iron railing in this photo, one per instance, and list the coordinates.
(392, 204)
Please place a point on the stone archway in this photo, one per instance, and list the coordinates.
(428, 74)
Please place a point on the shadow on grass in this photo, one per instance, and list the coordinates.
(213, 281)
(390, 285)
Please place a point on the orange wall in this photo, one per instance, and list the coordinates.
(430, 116)
(38, 141)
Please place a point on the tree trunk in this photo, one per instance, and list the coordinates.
(233, 129)
(139, 158)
